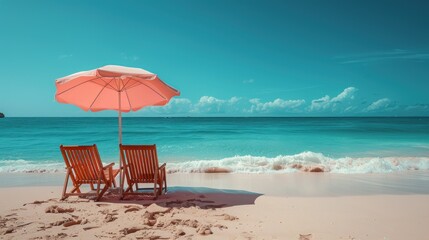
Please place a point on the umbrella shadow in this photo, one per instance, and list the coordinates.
(185, 197)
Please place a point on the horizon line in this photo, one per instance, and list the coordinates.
(221, 117)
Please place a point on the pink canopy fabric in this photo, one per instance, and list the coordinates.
(113, 87)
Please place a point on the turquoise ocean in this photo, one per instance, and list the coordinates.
(244, 145)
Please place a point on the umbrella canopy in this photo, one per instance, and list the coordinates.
(111, 87)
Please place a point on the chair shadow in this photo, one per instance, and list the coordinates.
(185, 197)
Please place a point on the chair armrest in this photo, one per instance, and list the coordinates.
(108, 166)
(162, 166)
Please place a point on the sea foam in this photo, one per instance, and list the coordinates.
(302, 162)
(305, 162)
(26, 166)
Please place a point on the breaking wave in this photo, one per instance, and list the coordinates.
(302, 162)
(26, 166)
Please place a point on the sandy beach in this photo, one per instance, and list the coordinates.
(229, 206)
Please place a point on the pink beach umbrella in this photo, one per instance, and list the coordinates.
(111, 87)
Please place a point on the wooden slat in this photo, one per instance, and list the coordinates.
(141, 161)
(82, 164)
(145, 168)
(97, 165)
(137, 164)
(130, 164)
(76, 167)
(92, 167)
(85, 163)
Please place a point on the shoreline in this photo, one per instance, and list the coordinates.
(296, 184)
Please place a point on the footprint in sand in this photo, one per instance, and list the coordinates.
(179, 232)
(58, 223)
(72, 223)
(7, 231)
(229, 217)
(190, 223)
(127, 231)
(132, 209)
(110, 218)
(10, 215)
(102, 205)
(305, 236)
(204, 230)
(220, 226)
(89, 228)
(56, 209)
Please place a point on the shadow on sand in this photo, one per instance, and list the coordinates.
(185, 197)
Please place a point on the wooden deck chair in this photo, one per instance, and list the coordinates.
(140, 165)
(84, 166)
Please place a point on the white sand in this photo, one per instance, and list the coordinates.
(310, 210)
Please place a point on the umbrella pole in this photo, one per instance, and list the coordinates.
(120, 142)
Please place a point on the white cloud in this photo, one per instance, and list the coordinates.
(208, 100)
(249, 81)
(255, 100)
(350, 109)
(418, 107)
(347, 93)
(393, 55)
(175, 106)
(234, 100)
(208, 104)
(277, 104)
(320, 104)
(328, 103)
(380, 104)
(343, 103)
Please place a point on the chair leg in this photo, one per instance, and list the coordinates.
(66, 182)
(160, 187)
(130, 188)
(122, 189)
(99, 195)
(76, 188)
(98, 188)
(165, 182)
(155, 192)
(113, 182)
(111, 178)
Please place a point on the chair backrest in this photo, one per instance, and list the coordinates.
(140, 162)
(84, 162)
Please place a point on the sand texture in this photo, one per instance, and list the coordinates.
(215, 213)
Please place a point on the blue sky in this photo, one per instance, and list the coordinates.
(228, 58)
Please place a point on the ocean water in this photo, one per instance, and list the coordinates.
(252, 145)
